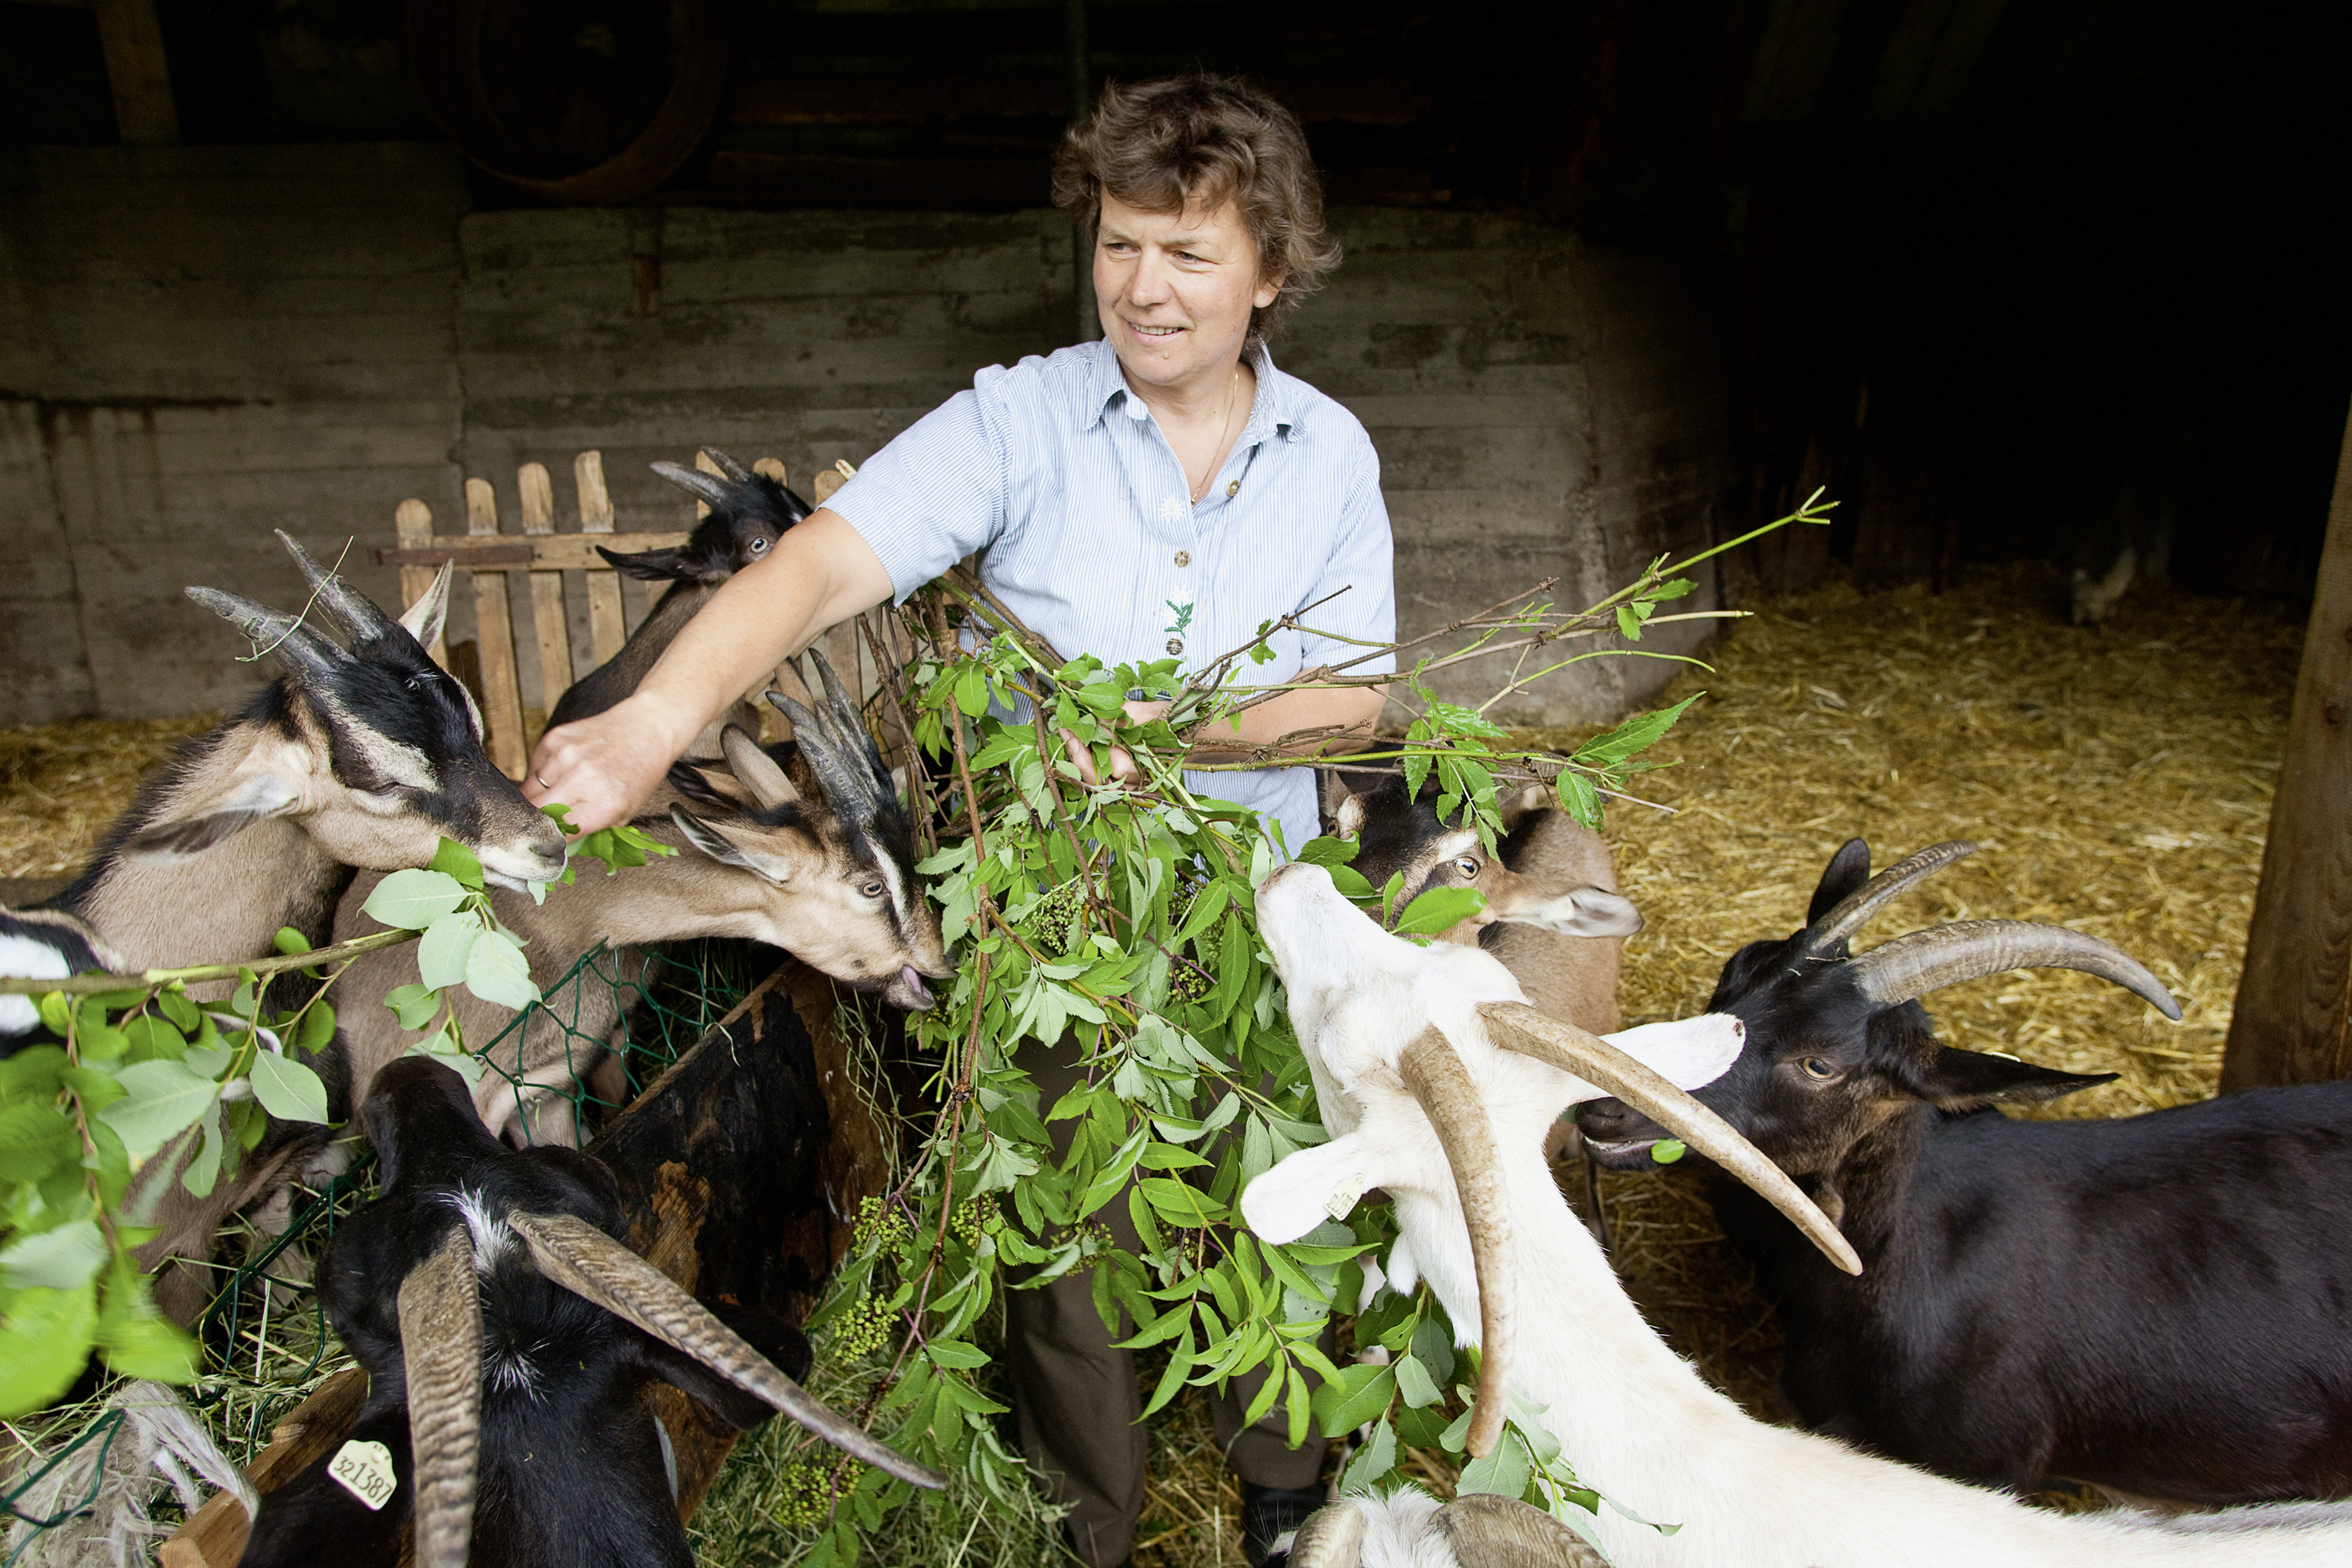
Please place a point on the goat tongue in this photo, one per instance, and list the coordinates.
(916, 988)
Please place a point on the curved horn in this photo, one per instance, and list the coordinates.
(357, 612)
(1489, 1531)
(1823, 937)
(593, 1266)
(1436, 1077)
(441, 1353)
(728, 466)
(1516, 1026)
(1910, 966)
(1332, 1536)
(830, 758)
(703, 487)
(837, 698)
(306, 653)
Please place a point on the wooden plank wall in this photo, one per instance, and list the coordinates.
(2293, 1022)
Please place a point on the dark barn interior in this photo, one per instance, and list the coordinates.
(2010, 278)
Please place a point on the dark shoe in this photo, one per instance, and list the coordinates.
(1270, 1517)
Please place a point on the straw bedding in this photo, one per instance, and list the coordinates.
(2117, 779)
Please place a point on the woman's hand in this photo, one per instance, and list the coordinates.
(1123, 771)
(603, 766)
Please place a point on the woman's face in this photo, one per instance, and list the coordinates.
(1176, 290)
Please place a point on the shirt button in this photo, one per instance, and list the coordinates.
(1183, 558)
(1234, 488)
(1175, 644)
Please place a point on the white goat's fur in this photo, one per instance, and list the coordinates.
(1634, 1420)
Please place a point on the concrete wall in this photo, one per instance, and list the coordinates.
(217, 343)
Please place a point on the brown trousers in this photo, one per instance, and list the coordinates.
(1076, 1396)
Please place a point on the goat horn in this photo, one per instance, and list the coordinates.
(357, 612)
(1332, 1536)
(1435, 1077)
(1516, 1026)
(591, 1265)
(1823, 935)
(441, 1353)
(733, 469)
(694, 482)
(830, 757)
(853, 735)
(1489, 1531)
(755, 770)
(308, 653)
(1910, 966)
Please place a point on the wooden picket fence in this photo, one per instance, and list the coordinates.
(542, 555)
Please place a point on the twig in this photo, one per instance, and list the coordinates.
(149, 979)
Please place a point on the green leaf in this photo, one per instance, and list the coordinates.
(972, 690)
(288, 1089)
(413, 1006)
(452, 858)
(1373, 1462)
(1362, 1393)
(1452, 718)
(43, 1344)
(955, 1354)
(1503, 1471)
(290, 941)
(411, 900)
(1667, 1151)
(1414, 1383)
(137, 1340)
(1672, 590)
(204, 1171)
(61, 1259)
(497, 971)
(34, 1138)
(317, 1027)
(1578, 799)
(1438, 910)
(165, 1101)
(1635, 734)
(448, 942)
(57, 1014)
(1629, 622)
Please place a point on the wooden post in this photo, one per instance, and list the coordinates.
(551, 628)
(501, 691)
(412, 521)
(136, 72)
(608, 626)
(2293, 1023)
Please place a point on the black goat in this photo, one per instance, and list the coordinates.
(2154, 1303)
(748, 512)
(508, 1341)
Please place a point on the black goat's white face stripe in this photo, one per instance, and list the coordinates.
(491, 1238)
(386, 758)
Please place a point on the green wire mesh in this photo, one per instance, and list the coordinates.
(268, 1345)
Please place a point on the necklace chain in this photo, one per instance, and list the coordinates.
(1232, 388)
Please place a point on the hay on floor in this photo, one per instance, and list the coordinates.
(60, 785)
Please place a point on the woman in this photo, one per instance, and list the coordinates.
(1161, 492)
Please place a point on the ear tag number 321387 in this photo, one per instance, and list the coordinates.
(364, 1471)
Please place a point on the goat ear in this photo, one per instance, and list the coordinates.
(1349, 818)
(1689, 1053)
(1586, 912)
(1489, 1531)
(1956, 1079)
(1526, 803)
(755, 770)
(424, 618)
(1848, 869)
(1311, 1186)
(725, 851)
(190, 831)
(648, 565)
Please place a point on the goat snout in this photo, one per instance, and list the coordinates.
(1617, 1135)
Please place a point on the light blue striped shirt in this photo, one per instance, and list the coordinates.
(1061, 476)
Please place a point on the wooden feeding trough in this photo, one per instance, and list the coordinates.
(543, 556)
(736, 1168)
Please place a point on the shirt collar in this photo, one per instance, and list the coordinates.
(1273, 412)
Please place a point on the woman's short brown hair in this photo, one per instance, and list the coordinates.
(1168, 146)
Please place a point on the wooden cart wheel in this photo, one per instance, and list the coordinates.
(582, 101)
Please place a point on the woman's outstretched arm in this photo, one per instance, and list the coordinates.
(820, 574)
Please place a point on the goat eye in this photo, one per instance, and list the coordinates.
(1820, 1069)
(759, 547)
(1466, 866)
(872, 889)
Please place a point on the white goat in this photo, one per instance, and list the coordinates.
(1433, 1097)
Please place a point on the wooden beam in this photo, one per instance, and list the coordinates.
(551, 625)
(507, 552)
(501, 690)
(608, 627)
(928, 100)
(2293, 1022)
(136, 71)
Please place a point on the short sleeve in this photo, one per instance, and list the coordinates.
(940, 491)
(1362, 561)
